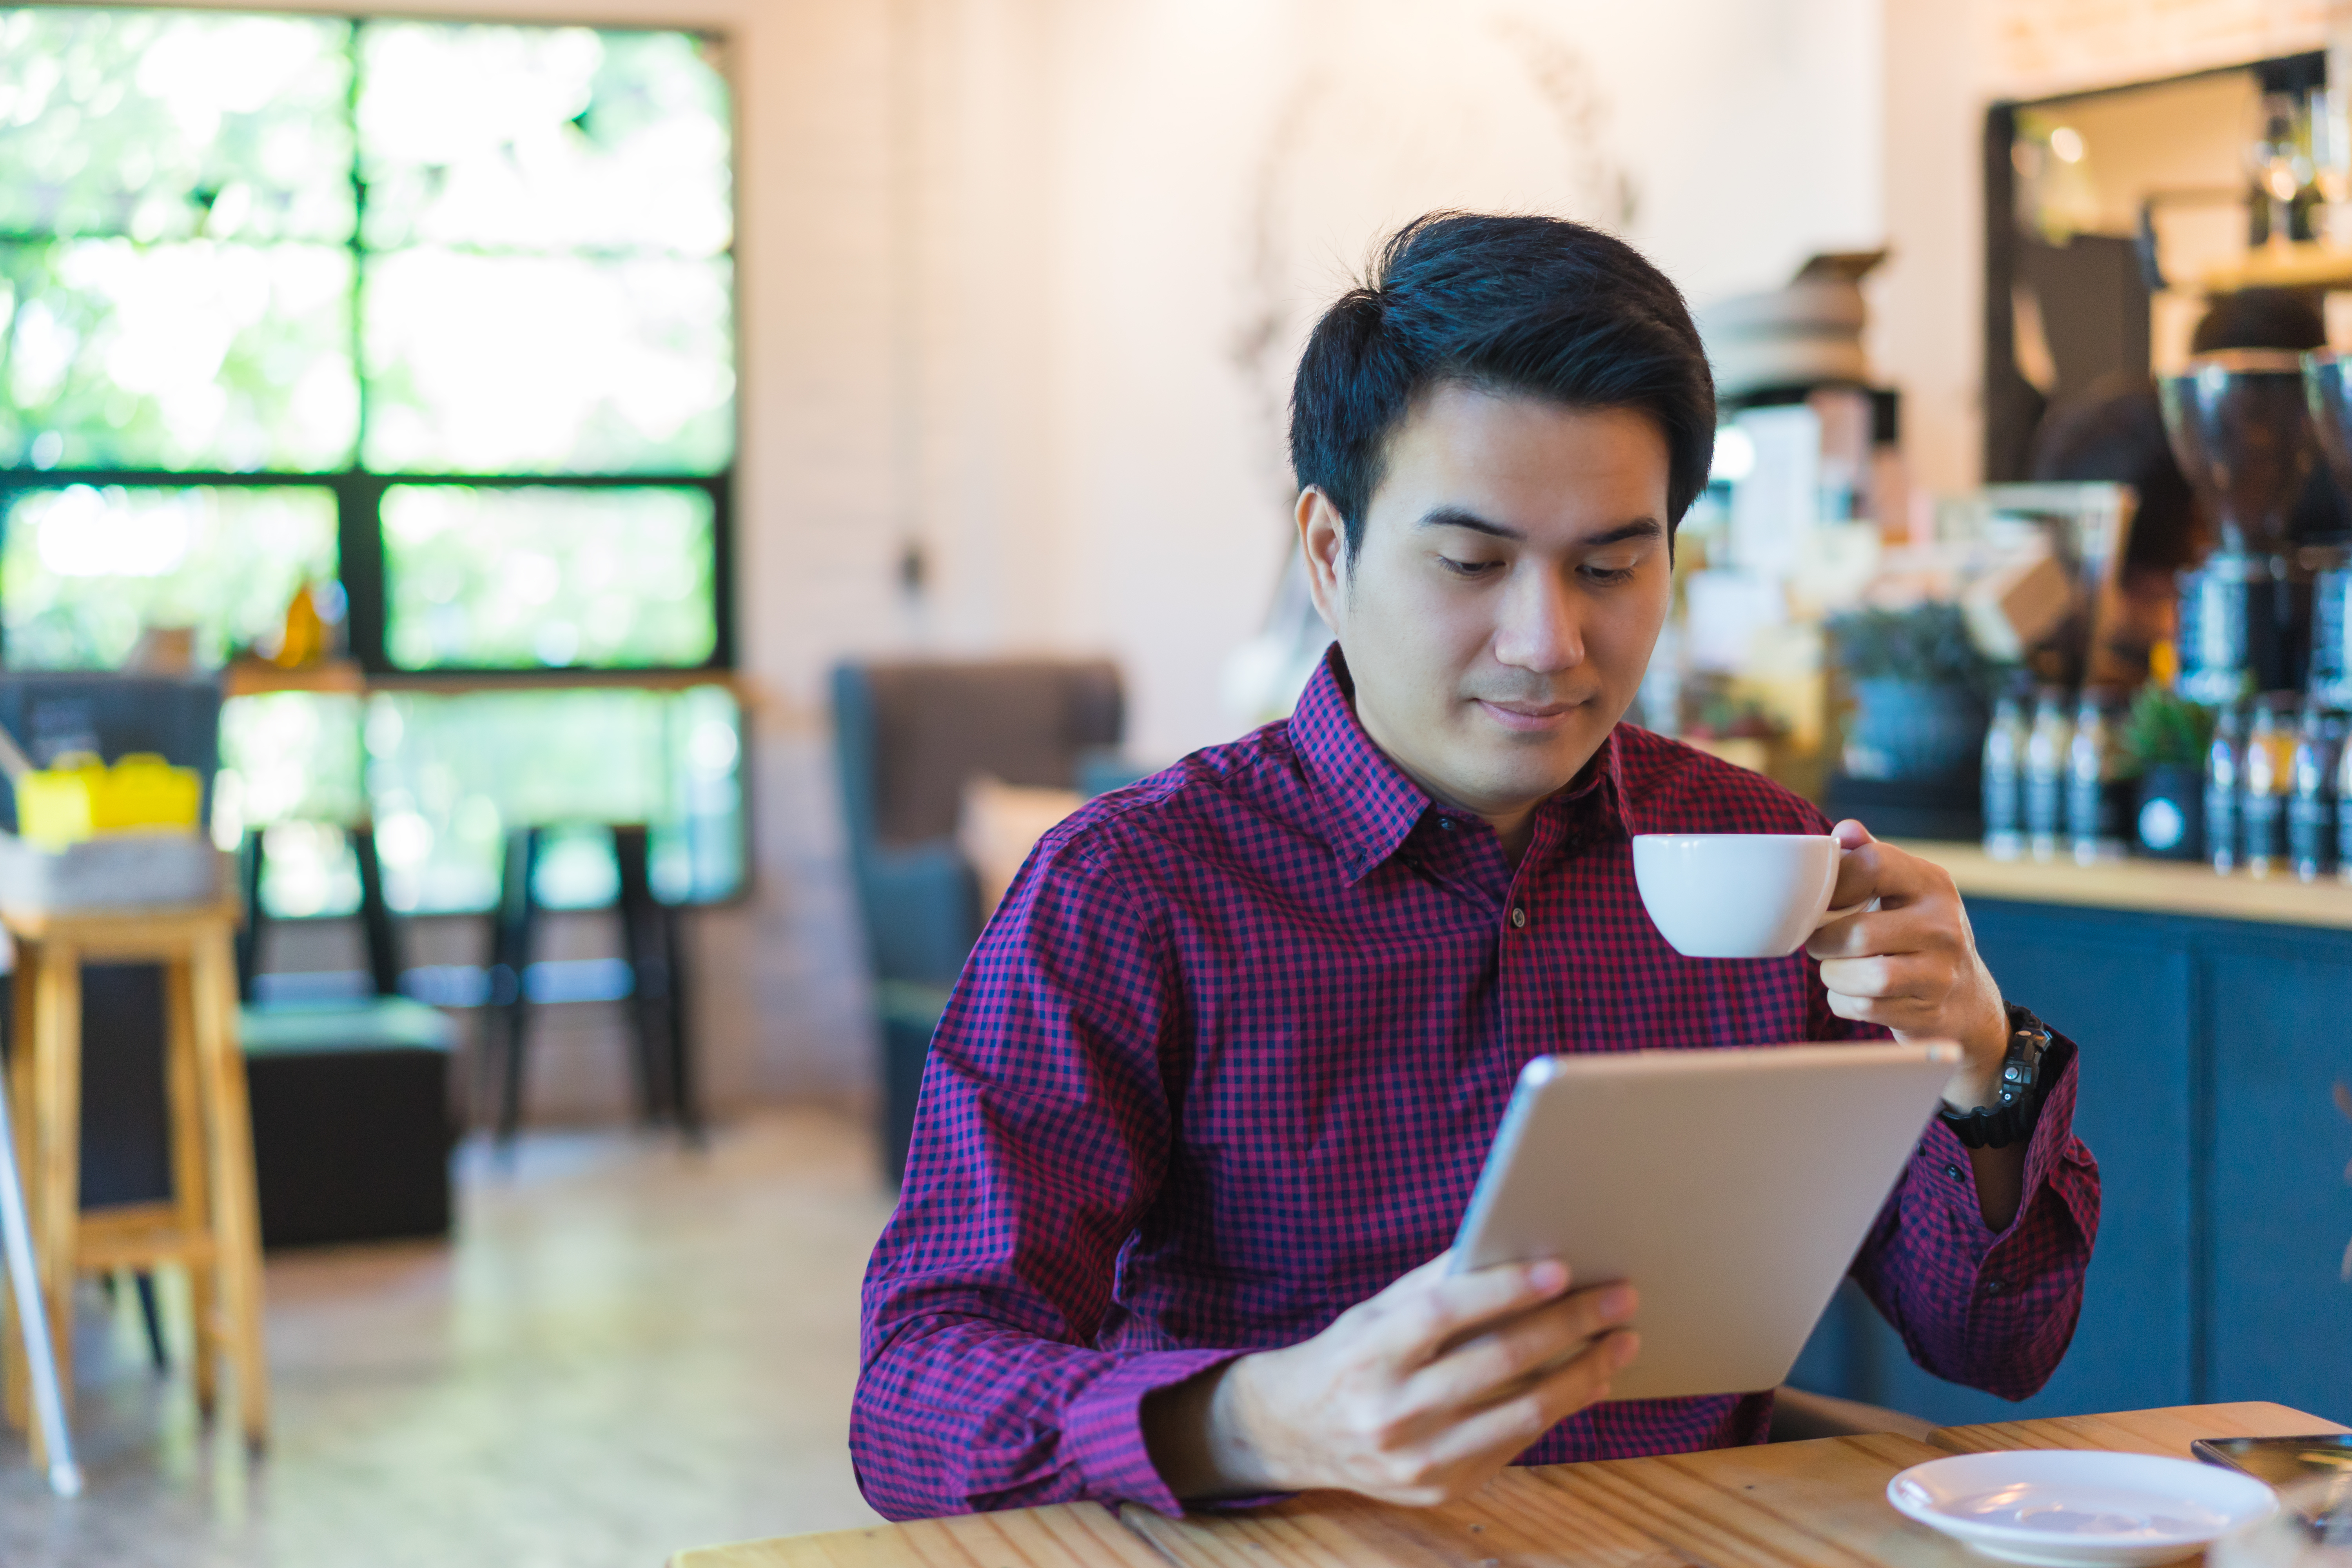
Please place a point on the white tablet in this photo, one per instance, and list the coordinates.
(1732, 1187)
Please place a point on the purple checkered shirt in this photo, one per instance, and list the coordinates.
(1227, 1061)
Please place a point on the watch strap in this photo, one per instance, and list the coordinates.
(2027, 1067)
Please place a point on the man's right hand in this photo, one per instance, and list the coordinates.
(1417, 1396)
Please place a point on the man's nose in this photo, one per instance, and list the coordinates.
(1538, 627)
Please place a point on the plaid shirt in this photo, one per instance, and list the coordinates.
(1228, 1059)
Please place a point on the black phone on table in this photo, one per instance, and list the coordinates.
(2282, 1461)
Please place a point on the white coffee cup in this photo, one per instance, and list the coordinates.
(1736, 895)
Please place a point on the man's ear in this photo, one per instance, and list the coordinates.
(1323, 540)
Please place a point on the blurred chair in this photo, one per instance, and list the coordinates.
(652, 946)
(351, 1127)
(907, 738)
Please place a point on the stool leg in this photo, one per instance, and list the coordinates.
(17, 1404)
(684, 1100)
(57, 1141)
(150, 1314)
(236, 1222)
(191, 1187)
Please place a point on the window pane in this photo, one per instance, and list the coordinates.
(165, 125)
(548, 577)
(290, 769)
(450, 776)
(548, 364)
(196, 355)
(543, 139)
(86, 568)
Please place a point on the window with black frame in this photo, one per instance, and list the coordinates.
(432, 323)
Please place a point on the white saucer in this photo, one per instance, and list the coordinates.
(2072, 1508)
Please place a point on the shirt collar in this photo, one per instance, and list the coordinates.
(1372, 806)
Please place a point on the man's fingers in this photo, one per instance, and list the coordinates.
(1503, 1430)
(1858, 867)
(1416, 1317)
(1918, 925)
(1479, 1371)
(1893, 977)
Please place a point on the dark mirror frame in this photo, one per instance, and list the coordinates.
(2012, 405)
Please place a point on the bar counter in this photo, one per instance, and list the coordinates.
(2144, 887)
(2214, 1017)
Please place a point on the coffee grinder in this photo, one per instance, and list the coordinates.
(2240, 428)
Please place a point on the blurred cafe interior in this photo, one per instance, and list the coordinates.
(557, 556)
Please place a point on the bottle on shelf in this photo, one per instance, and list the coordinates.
(2311, 796)
(2004, 779)
(2222, 760)
(2265, 780)
(2344, 810)
(2046, 745)
(2096, 810)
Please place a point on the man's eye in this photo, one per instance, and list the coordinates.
(1594, 572)
(1467, 568)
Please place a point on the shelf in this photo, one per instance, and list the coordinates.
(2306, 264)
(2146, 886)
(253, 677)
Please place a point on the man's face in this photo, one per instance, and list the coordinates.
(1510, 584)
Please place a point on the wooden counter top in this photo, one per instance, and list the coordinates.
(2144, 887)
(1783, 1505)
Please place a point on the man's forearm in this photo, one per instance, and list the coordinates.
(2001, 1182)
(1197, 1439)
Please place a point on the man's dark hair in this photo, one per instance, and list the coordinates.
(1534, 306)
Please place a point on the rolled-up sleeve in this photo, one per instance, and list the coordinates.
(1042, 1135)
(1992, 1310)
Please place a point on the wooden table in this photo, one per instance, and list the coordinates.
(1783, 1505)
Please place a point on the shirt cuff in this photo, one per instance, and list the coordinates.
(1104, 1426)
(2045, 1148)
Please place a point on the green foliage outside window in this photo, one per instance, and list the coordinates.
(84, 569)
(537, 575)
(448, 775)
(377, 253)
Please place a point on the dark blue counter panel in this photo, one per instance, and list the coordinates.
(2209, 1050)
(2280, 1016)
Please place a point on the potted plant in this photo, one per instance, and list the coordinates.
(2165, 741)
(1919, 686)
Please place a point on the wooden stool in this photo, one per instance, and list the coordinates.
(211, 1224)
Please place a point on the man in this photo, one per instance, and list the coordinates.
(1214, 1090)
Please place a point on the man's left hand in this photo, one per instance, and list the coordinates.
(1905, 958)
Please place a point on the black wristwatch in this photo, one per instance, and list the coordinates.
(2026, 1071)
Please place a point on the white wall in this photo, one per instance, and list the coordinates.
(1020, 282)
(1214, 174)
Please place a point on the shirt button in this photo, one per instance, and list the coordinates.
(1953, 1171)
(1446, 823)
(1519, 920)
(1995, 1287)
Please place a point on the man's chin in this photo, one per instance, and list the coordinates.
(1529, 767)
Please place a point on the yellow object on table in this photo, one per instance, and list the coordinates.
(78, 796)
(1821, 1504)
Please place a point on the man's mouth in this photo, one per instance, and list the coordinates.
(1527, 718)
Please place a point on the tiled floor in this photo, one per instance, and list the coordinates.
(629, 1348)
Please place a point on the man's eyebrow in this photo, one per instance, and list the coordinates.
(1454, 517)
